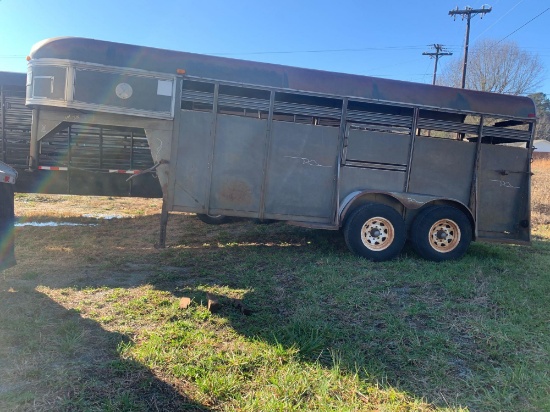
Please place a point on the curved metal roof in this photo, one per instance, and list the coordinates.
(272, 75)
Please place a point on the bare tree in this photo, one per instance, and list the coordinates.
(543, 127)
(494, 66)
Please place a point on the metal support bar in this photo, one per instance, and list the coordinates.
(69, 143)
(267, 152)
(69, 138)
(33, 150)
(163, 222)
(341, 160)
(213, 132)
(131, 150)
(474, 188)
(411, 148)
(101, 148)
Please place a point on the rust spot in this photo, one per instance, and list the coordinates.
(236, 192)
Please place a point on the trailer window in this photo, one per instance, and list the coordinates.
(379, 117)
(505, 131)
(197, 96)
(446, 125)
(243, 101)
(297, 108)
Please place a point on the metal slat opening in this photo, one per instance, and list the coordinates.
(379, 118)
(447, 126)
(506, 133)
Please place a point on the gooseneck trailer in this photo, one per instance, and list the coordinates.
(76, 159)
(382, 160)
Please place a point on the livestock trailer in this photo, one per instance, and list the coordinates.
(76, 159)
(383, 160)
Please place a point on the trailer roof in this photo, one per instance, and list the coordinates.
(272, 75)
(12, 79)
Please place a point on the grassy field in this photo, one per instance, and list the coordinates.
(90, 317)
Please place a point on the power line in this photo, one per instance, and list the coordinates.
(501, 17)
(385, 48)
(521, 27)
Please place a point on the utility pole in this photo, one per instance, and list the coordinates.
(467, 13)
(439, 51)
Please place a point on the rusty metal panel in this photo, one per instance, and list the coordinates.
(442, 167)
(238, 162)
(378, 148)
(358, 179)
(302, 171)
(503, 192)
(192, 169)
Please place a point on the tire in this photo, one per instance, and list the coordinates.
(375, 231)
(441, 233)
(213, 219)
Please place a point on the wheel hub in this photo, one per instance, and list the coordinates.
(375, 233)
(441, 234)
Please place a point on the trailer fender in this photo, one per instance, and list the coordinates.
(397, 201)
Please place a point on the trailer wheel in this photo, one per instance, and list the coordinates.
(375, 231)
(441, 233)
(213, 219)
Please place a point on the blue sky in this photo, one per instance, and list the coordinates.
(375, 38)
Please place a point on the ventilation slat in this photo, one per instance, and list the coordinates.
(243, 102)
(379, 118)
(447, 126)
(197, 96)
(307, 110)
(505, 133)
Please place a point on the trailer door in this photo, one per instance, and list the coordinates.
(302, 172)
(503, 210)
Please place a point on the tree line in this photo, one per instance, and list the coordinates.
(503, 67)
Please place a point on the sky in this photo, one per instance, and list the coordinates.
(373, 38)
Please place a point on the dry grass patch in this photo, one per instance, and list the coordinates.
(540, 193)
(29, 206)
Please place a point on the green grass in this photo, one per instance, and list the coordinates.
(327, 331)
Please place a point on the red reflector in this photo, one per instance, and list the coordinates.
(532, 115)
